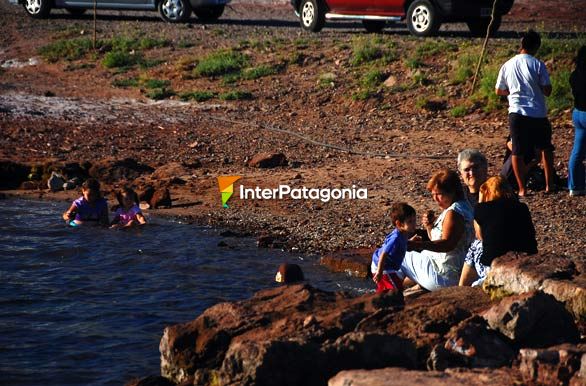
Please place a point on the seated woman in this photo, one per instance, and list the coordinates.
(502, 224)
(437, 263)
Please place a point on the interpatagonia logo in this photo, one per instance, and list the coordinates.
(226, 184)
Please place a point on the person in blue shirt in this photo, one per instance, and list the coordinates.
(387, 260)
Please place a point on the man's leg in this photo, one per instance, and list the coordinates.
(520, 170)
(547, 161)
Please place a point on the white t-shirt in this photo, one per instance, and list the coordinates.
(523, 76)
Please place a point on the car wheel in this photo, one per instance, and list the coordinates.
(312, 15)
(374, 26)
(422, 18)
(479, 26)
(76, 11)
(174, 11)
(212, 13)
(39, 9)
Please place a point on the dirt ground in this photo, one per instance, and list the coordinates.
(67, 112)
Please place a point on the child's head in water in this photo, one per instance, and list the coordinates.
(127, 198)
(90, 190)
(289, 273)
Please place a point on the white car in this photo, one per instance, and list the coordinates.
(173, 11)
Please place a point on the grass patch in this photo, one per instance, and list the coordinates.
(372, 49)
(459, 111)
(125, 83)
(235, 95)
(149, 63)
(198, 96)
(464, 70)
(185, 44)
(561, 96)
(372, 79)
(363, 95)
(71, 49)
(258, 72)
(155, 83)
(159, 93)
(485, 92)
(220, 63)
(431, 47)
(120, 59)
(326, 80)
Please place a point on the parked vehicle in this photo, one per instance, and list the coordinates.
(423, 17)
(172, 11)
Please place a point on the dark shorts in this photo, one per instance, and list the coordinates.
(529, 133)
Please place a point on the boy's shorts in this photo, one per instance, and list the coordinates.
(528, 133)
(392, 281)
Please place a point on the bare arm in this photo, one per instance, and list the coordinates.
(69, 214)
(379, 270)
(140, 218)
(452, 231)
(501, 92)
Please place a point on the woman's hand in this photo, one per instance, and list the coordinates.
(428, 219)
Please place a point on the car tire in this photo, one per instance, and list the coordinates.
(38, 9)
(312, 15)
(479, 26)
(75, 11)
(423, 19)
(174, 11)
(207, 14)
(374, 26)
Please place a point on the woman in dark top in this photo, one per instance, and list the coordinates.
(502, 224)
(576, 175)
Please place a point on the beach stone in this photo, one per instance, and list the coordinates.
(236, 340)
(355, 262)
(451, 377)
(268, 160)
(12, 174)
(55, 182)
(110, 170)
(533, 319)
(559, 276)
(161, 198)
(472, 344)
(558, 365)
(30, 185)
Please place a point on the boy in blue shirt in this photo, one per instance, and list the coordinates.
(386, 260)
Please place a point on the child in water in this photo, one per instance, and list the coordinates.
(91, 207)
(386, 260)
(128, 213)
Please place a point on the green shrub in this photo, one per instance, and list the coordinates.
(413, 63)
(114, 59)
(155, 83)
(364, 51)
(561, 96)
(362, 95)
(465, 69)
(220, 63)
(232, 78)
(258, 72)
(71, 49)
(373, 79)
(459, 111)
(159, 93)
(198, 96)
(421, 103)
(235, 95)
(326, 79)
(124, 83)
(149, 63)
(485, 92)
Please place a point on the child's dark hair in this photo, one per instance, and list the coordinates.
(400, 211)
(91, 184)
(531, 41)
(129, 192)
(581, 60)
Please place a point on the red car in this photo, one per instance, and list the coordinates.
(423, 17)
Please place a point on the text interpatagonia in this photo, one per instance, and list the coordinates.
(303, 193)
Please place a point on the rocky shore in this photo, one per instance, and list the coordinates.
(68, 117)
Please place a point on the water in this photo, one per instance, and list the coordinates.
(87, 306)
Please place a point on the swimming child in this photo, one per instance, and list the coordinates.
(128, 213)
(91, 207)
(386, 260)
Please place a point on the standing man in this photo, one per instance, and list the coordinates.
(525, 81)
(473, 168)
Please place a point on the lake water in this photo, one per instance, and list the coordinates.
(87, 306)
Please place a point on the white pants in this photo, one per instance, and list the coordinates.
(418, 267)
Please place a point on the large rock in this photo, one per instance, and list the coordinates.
(171, 170)
(12, 174)
(268, 160)
(237, 341)
(161, 199)
(559, 365)
(110, 170)
(533, 319)
(563, 278)
(472, 344)
(401, 377)
(355, 262)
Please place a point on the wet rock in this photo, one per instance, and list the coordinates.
(238, 340)
(355, 262)
(559, 365)
(533, 319)
(146, 193)
(550, 273)
(269, 241)
(268, 160)
(76, 171)
(12, 174)
(401, 377)
(161, 199)
(151, 380)
(472, 344)
(110, 170)
(30, 185)
(55, 182)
